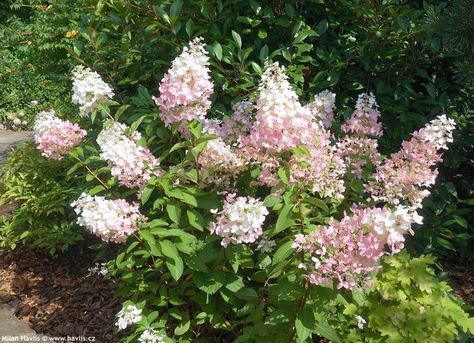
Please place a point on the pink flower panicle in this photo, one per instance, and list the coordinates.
(133, 165)
(357, 152)
(407, 174)
(322, 169)
(347, 251)
(111, 220)
(239, 123)
(186, 87)
(281, 122)
(359, 147)
(240, 220)
(365, 119)
(56, 137)
(323, 107)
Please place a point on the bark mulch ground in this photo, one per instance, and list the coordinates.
(461, 278)
(56, 297)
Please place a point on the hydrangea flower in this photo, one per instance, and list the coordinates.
(359, 147)
(219, 162)
(56, 137)
(128, 315)
(239, 123)
(407, 175)
(133, 165)
(89, 90)
(323, 107)
(111, 220)
(365, 118)
(151, 336)
(240, 220)
(186, 87)
(283, 123)
(349, 249)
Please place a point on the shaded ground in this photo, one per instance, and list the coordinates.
(461, 278)
(55, 297)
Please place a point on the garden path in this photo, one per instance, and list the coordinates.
(11, 328)
(10, 138)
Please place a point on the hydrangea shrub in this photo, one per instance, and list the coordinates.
(249, 228)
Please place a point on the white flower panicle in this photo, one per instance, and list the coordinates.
(186, 87)
(128, 315)
(89, 90)
(240, 220)
(133, 165)
(111, 220)
(323, 107)
(439, 132)
(46, 120)
(151, 336)
(392, 225)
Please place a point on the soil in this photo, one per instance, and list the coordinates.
(461, 278)
(55, 297)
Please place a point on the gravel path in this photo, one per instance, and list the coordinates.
(12, 138)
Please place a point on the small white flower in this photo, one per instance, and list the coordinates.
(127, 316)
(150, 336)
(302, 266)
(266, 246)
(34, 102)
(98, 269)
(360, 322)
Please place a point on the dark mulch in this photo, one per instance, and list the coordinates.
(461, 277)
(55, 296)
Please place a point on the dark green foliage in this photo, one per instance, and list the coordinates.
(35, 61)
(409, 54)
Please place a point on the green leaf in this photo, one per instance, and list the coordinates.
(247, 294)
(304, 324)
(196, 220)
(237, 39)
(285, 250)
(175, 8)
(217, 47)
(146, 195)
(174, 212)
(263, 53)
(190, 27)
(174, 262)
(211, 282)
(284, 220)
(322, 27)
(147, 236)
(236, 284)
(326, 331)
(182, 328)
